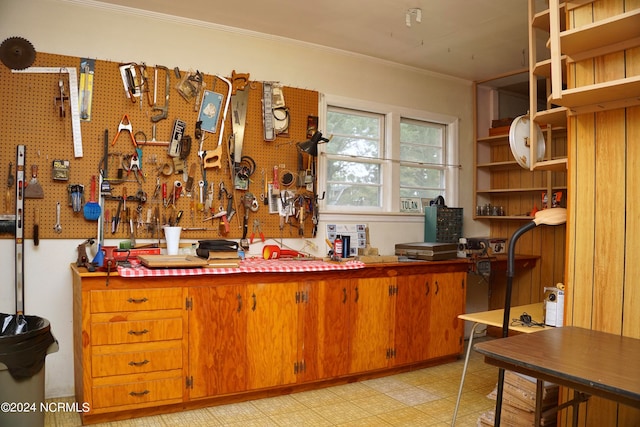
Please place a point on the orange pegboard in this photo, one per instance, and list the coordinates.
(31, 117)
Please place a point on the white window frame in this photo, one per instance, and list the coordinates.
(391, 164)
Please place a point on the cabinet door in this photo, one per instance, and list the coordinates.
(412, 314)
(371, 324)
(217, 340)
(272, 333)
(325, 329)
(446, 331)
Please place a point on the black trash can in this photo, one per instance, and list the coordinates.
(22, 360)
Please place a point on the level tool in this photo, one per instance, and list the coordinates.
(73, 100)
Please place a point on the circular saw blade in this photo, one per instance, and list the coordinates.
(17, 53)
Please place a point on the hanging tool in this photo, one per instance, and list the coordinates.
(34, 189)
(10, 183)
(19, 323)
(61, 98)
(57, 226)
(247, 200)
(36, 227)
(125, 124)
(164, 109)
(256, 229)
(92, 209)
(267, 111)
(239, 101)
(211, 159)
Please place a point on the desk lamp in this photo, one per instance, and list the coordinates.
(553, 216)
(311, 145)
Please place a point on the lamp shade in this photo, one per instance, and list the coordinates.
(311, 145)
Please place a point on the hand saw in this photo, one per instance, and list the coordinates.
(239, 102)
(211, 159)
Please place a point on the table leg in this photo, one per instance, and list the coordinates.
(539, 396)
(464, 372)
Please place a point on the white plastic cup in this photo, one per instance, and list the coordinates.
(172, 236)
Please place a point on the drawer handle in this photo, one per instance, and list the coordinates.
(142, 332)
(437, 288)
(357, 295)
(144, 362)
(137, 300)
(344, 295)
(139, 393)
(239, 309)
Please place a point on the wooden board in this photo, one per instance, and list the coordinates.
(171, 261)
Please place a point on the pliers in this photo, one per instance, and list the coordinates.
(258, 228)
(125, 124)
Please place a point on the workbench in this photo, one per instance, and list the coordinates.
(160, 343)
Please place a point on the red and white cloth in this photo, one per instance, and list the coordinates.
(253, 265)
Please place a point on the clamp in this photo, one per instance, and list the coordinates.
(134, 165)
(256, 228)
(125, 124)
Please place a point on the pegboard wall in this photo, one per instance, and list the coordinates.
(32, 116)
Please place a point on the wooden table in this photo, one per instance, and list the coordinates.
(590, 362)
(495, 318)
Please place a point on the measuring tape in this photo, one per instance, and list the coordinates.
(73, 100)
(267, 111)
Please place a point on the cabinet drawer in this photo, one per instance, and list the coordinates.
(139, 392)
(136, 331)
(136, 299)
(126, 359)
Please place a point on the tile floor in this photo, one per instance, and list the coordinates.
(424, 397)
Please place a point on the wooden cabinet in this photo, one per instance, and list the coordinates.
(133, 348)
(412, 317)
(371, 324)
(324, 350)
(272, 333)
(217, 340)
(422, 302)
(151, 345)
(448, 298)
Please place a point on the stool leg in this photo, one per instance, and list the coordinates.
(464, 372)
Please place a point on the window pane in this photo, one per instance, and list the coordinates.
(421, 142)
(421, 177)
(353, 147)
(353, 195)
(353, 172)
(354, 123)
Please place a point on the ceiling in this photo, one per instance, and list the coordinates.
(469, 39)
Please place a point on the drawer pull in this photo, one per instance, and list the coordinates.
(139, 393)
(144, 362)
(137, 300)
(142, 332)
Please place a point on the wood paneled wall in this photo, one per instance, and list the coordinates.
(603, 291)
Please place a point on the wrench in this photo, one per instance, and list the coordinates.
(57, 227)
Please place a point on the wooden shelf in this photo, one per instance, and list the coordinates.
(556, 117)
(512, 190)
(505, 217)
(611, 31)
(543, 68)
(511, 164)
(541, 20)
(555, 165)
(496, 139)
(602, 96)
